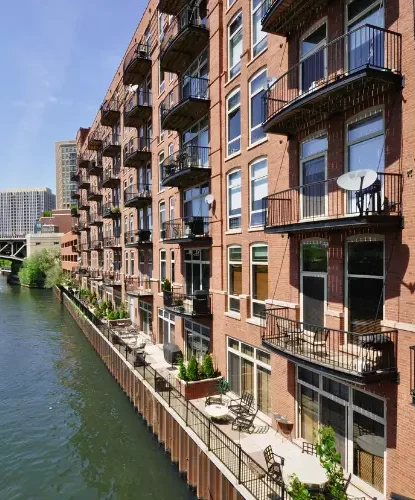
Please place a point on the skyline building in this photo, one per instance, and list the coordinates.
(65, 162)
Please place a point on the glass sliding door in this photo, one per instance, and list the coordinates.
(308, 406)
(334, 414)
(313, 174)
(313, 282)
(313, 57)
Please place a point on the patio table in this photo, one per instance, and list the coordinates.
(307, 468)
(217, 411)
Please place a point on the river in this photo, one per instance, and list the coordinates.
(67, 431)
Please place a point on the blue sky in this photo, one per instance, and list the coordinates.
(56, 64)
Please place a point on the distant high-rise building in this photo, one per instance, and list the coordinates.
(65, 154)
(21, 208)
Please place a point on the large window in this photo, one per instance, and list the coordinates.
(313, 56)
(234, 278)
(358, 420)
(197, 340)
(259, 190)
(197, 269)
(234, 123)
(194, 203)
(235, 45)
(313, 160)
(146, 317)
(132, 270)
(166, 327)
(163, 265)
(257, 89)
(195, 142)
(249, 370)
(161, 160)
(259, 37)
(259, 279)
(162, 217)
(234, 200)
(172, 267)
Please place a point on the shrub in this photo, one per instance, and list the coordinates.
(193, 370)
(223, 386)
(182, 370)
(208, 371)
(297, 489)
(166, 285)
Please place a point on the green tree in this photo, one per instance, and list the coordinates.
(42, 269)
(193, 370)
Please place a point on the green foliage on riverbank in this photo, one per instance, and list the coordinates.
(43, 269)
(5, 264)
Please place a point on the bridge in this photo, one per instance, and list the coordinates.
(13, 248)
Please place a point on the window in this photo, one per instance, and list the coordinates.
(162, 80)
(150, 264)
(234, 278)
(257, 89)
(235, 45)
(170, 149)
(126, 263)
(163, 265)
(234, 123)
(197, 340)
(194, 201)
(166, 327)
(197, 270)
(161, 134)
(132, 270)
(195, 141)
(249, 369)
(234, 200)
(230, 2)
(313, 56)
(141, 264)
(171, 208)
(259, 190)
(161, 160)
(172, 267)
(259, 37)
(259, 279)
(162, 218)
(146, 317)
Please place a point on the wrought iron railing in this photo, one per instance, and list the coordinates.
(137, 237)
(326, 200)
(110, 210)
(138, 51)
(189, 87)
(137, 284)
(139, 191)
(187, 19)
(94, 191)
(112, 241)
(187, 158)
(110, 106)
(111, 140)
(95, 217)
(97, 244)
(364, 47)
(191, 228)
(369, 351)
(197, 304)
(137, 144)
(137, 99)
(111, 173)
(84, 180)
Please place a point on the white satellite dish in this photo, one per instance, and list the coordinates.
(357, 180)
(209, 199)
(132, 88)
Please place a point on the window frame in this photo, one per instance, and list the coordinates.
(253, 46)
(162, 261)
(251, 275)
(233, 262)
(228, 112)
(240, 29)
(251, 199)
(162, 210)
(160, 162)
(251, 96)
(228, 188)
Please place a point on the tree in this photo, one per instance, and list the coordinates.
(42, 269)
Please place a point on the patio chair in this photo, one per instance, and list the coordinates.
(274, 465)
(347, 482)
(309, 448)
(317, 339)
(243, 405)
(244, 422)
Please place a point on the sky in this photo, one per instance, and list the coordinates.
(57, 60)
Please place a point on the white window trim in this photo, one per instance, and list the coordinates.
(253, 12)
(196, 334)
(251, 96)
(251, 276)
(302, 58)
(239, 13)
(251, 212)
(359, 16)
(229, 217)
(161, 261)
(228, 111)
(235, 297)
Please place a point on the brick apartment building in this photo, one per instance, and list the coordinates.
(213, 162)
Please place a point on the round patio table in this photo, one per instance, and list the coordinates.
(217, 411)
(308, 470)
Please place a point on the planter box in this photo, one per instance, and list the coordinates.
(119, 322)
(199, 389)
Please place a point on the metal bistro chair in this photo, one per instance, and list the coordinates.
(309, 448)
(244, 422)
(243, 405)
(317, 339)
(274, 465)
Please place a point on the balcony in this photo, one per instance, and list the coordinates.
(110, 211)
(110, 113)
(172, 7)
(361, 357)
(137, 196)
(95, 140)
(82, 161)
(137, 64)
(198, 305)
(138, 109)
(357, 67)
(187, 230)
(97, 244)
(74, 176)
(137, 152)
(74, 212)
(323, 205)
(137, 238)
(184, 39)
(138, 287)
(83, 204)
(111, 278)
(84, 226)
(112, 242)
(75, 228)
(95, 219)
(86, 247)
(111, 177)
(94, 193)
(75, 195)
(282, 17)
(83, 182)
(95, 167)
(187, 167)
(111, 145)
(188, 102)
(95, 274)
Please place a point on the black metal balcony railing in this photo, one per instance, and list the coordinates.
(94, 193)
(95, 140)
(83, 182)
(184, 39)
(137, 152)
(187, 103)
(95, 219)
(137, 196)
(197, 304)
(172, 7)
(187, 167)
(369, 354)
(74, 176)
(112, 241)
(188, 229)
(325, 82)
(110, 112)
(74, 212)
(75, 195)
(138, 286)
(112, 278)
(138, 108)
(75, 228)
(82, 161)
(84, 226)
(111, 145)
(136, 238)
(111, 211)
(111, 177)
(137, 64)
(97, 244)
(83, 204)
(324, 204)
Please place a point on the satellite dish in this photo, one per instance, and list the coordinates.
(357, 180)
(209, 199)
(132, 88)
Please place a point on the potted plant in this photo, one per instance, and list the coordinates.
(167, 293)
